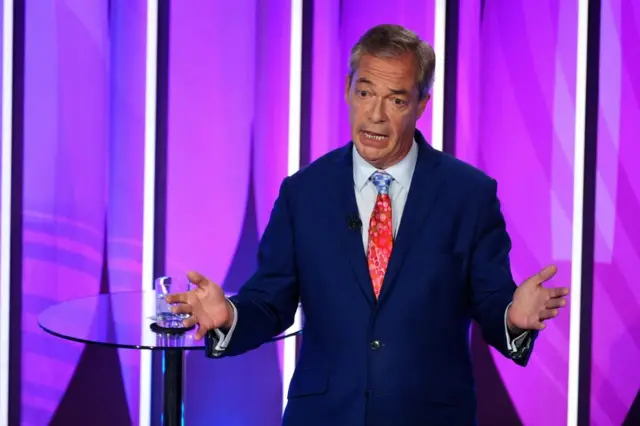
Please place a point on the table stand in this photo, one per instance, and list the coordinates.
(173, 386)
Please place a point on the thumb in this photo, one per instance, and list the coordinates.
(544, 275)
(197, 278)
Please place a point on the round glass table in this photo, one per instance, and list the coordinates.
(123, 320)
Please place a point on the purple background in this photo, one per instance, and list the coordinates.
(227, 154)
(83, 140)
(516, 106)
(341, 23)
(616, 295)
(227, 136)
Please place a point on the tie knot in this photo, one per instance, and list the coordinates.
(382, 181)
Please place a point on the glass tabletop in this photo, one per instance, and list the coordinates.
(121, 320)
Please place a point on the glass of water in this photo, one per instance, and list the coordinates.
(165, 286)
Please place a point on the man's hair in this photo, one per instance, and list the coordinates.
(389, 41)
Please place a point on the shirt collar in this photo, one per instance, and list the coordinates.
(401, 172)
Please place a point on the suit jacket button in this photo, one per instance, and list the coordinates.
(375, 345)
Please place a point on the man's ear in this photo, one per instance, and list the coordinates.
(347, 87)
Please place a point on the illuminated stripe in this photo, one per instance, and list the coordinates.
(5, 207)
(578, 207)
(148, 221)
(437, 122)
(295, 95)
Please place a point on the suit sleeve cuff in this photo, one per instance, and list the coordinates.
(218, 340)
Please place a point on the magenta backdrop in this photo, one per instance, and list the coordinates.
(616, 296)
(83, 139)
(128, 42)
(337, 26)
(227, 155)
(516, 105)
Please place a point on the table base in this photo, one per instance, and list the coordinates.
(173, 387)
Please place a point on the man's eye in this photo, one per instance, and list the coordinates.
(363, 93)
(398, 101)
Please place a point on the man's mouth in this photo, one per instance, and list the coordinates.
(373, 136)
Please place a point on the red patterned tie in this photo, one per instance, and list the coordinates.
(380, 232)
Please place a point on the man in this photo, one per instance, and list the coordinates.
(392, 248)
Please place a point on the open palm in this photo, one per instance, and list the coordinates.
(533, 303)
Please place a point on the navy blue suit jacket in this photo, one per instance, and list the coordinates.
(403, 359)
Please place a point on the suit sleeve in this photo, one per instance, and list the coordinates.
(492, 284)
(266, 305)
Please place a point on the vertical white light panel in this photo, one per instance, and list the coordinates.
(438, 88)
(295, 98)
(5, 206)
(148, 226)
(578, 207)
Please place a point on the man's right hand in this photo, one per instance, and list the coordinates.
(206, 303)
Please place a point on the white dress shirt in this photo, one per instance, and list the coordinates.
(366, 194)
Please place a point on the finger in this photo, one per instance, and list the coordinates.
(548, 314)
(558, 292)
(197, 279)
(190, 322)
(539, 325)
(182, 308)
(555, 303)
(177, 297)
(544, 275)
(202, 331)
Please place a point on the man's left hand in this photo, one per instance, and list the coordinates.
(533, 303)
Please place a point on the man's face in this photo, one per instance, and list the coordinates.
(384, 106)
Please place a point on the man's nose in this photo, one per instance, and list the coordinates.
(377, 113)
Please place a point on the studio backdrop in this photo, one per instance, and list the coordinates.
(245, 93)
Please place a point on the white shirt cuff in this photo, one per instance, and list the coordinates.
(223, 339)
(516, 344)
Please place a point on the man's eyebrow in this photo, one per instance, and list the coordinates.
(399, 91)
(364, 80)
(403, 92)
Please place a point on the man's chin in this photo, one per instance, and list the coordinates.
(371, 154)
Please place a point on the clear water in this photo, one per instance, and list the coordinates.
(164, 316)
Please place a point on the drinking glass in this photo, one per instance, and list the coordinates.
(165, 286)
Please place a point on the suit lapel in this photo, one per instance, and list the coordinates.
(426, 184)
(348, 208)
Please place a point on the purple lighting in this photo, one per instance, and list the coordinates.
(222, 151)
(227, 155)
(615, 377)
(83, 121)
(516, 107)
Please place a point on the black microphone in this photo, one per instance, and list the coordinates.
(355, 224)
